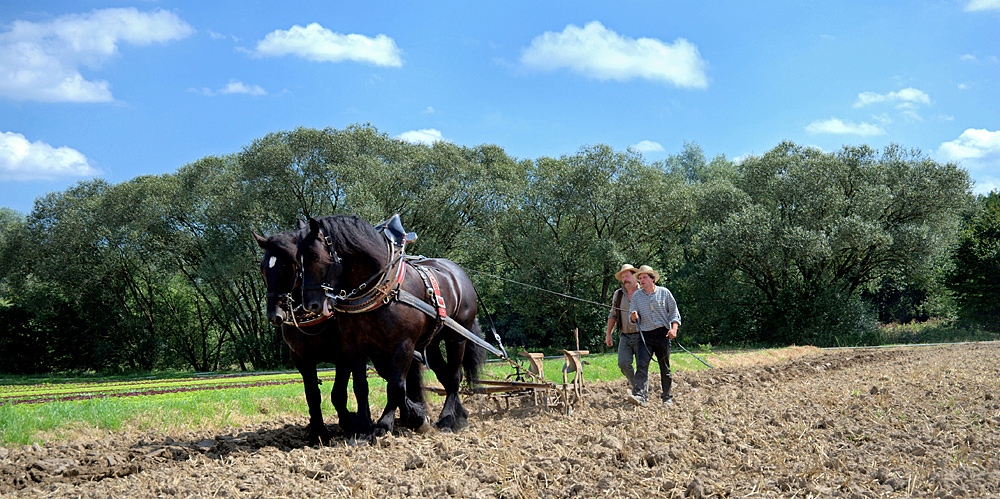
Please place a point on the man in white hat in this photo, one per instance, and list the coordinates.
(629, 342)
(654, 311)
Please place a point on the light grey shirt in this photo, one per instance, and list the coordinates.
(658, 309)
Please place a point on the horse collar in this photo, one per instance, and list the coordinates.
(378, 295)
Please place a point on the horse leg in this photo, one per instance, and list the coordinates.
(449, 373)
(318, 434)
(416, 410)
(395, 397)
(338, 395)
(363, 428)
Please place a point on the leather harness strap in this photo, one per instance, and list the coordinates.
(380, 294)
(434, 292)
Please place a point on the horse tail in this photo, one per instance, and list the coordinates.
(475, 356)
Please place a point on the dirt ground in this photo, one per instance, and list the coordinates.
(901, 422)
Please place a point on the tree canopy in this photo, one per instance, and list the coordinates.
(790, 246)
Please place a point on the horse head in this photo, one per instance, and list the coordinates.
(343, 255)
(321, 267)
(281, 274)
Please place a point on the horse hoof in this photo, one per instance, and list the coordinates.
(426, 427)
(445, 424)
(361, 440)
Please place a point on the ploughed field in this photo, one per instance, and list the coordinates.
(900, 422)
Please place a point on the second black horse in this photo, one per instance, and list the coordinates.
(348, 258)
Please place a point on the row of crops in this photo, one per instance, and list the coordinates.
(21, 393)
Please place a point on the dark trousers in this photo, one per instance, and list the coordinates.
(656, 343)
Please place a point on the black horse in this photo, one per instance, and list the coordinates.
(346, 256)
(310, 342)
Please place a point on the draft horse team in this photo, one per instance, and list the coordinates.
(344, 292)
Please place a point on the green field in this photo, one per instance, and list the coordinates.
(45, 409)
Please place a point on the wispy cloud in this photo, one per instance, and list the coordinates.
(648, 146)
(836, 126)
(979, 5)
(41, 61)
(424, 136)
(21, 159)
(316, 43)
(603, 54)
(233, 87)
(905, 98)
(238, 87)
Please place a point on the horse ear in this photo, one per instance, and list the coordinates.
(300, 224)
(261, 241)
(313, 226)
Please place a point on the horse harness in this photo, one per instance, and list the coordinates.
(383, 287)
(388, 288)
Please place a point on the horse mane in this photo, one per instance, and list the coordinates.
(351, 235)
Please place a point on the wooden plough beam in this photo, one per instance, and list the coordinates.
(546, 394)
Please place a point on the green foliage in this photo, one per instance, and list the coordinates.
(976, 275)
(794, 246)
(816, 228)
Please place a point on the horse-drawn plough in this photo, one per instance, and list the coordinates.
(496, 394)
(390, 309)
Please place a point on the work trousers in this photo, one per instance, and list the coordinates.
(656, 343)
(629, 345)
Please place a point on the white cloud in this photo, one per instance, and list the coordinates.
(424, 136)
(238, 87)
(41, 61)
(837, 127)
(600, 53)
(647, 146)
(986, 184)
(21, 159)
(316, 43)
(975, 149)
(233, 87)
(978, 5)
(907, 98)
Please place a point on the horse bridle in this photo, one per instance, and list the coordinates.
(385, 281)
(287, 301)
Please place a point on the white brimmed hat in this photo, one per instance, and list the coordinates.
(625, 268)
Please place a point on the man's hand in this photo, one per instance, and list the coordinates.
(607, 339)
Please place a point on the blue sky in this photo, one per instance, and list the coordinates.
(91, 88)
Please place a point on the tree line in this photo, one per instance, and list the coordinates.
(793, 246)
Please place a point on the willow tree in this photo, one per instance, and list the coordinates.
(578, 219)
(815, 228)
